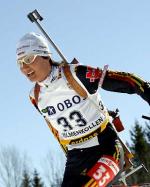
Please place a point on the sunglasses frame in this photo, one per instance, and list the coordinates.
(29, 59)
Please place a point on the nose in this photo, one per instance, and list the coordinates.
(24, 68)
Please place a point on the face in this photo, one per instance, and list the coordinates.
(38, 70)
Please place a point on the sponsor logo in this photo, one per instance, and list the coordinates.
(61, 106)
(112, 164)
(84, 139)
(92, 74)
(50, 110)
(40, 51)
(84, 130)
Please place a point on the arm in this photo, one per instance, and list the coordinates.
(126, 83)
(114, 81)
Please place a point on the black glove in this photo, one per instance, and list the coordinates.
(146, 94)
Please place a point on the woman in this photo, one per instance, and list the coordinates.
(75, 112)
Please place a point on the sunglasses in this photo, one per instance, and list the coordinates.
(29, 59)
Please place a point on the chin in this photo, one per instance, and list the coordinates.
(33, 80)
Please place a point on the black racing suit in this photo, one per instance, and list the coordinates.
(80, 161)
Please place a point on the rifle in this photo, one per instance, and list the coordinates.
(34, 16)
(129, 167)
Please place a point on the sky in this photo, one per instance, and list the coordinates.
(95, 32)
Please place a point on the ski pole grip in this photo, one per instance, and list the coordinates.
(34, 16)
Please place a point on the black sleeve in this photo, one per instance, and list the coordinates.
(126, 83)
(114, 81)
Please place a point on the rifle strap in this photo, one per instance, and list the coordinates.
(36, 92)
(73, 83)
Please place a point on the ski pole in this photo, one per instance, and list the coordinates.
(34, 16)
(146, 117)
(133, 170)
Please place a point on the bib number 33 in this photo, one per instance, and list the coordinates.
(75, 116)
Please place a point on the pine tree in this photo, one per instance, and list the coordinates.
(140, 148)
(26, 182)
(147, 134)
(147, 131)
(36, 181)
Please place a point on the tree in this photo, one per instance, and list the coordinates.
(53, 167)
(11, 167)
(36, 181)
(147, 131)
(140, 148)
(26, 181)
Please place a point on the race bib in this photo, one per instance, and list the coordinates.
(104, 171)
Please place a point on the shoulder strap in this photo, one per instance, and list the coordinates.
(74, 84)
(36, 92)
